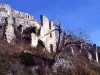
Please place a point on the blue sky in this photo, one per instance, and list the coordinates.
(73, 14)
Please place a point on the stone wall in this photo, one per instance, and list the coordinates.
(49, 37)
(19, 25)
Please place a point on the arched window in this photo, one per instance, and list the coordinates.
(50, 35)
(14, 20)
(50, 25)
(19, 28)
(28, 16)
(27, 22)
(40, 43)
(51, 47)
(3, 9)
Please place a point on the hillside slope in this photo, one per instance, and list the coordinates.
(16, 60)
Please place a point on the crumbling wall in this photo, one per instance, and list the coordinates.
(11, 20)
(52, 36)
(48, 35)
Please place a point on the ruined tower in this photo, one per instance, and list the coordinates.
(49, 37)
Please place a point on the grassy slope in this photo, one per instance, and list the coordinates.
(10, 62)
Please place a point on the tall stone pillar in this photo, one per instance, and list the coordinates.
(34, 40)
(45, 28)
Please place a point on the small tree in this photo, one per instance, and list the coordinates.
(58, 25)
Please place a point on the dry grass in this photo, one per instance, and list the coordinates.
(16, 48)
(81, 63)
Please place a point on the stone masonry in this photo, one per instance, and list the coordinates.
(16, 25)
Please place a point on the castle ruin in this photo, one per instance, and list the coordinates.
(17, 26)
